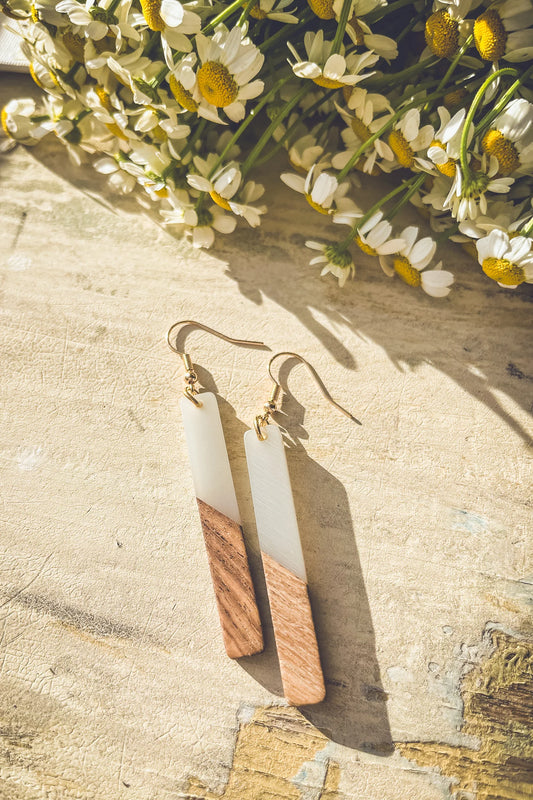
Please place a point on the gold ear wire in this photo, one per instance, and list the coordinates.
(271, 405)
(191, 378)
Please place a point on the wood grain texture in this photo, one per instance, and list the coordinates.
(294, 629)
(234, 591)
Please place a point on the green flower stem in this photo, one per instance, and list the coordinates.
(470, 116)
(246, 12)
(82, 115)
(159, 78)
(341, 27)
(285, 111)
(375, 83)
(410, 25)
(284, 32)
(289, 133)
(112, 5)
(242, 127)
(458, 56)
(228, 11)
(384, 128)
(191, 141)
(504, 99)
(407, 196)
(376, 207)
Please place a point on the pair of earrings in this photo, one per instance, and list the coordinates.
(277, 529)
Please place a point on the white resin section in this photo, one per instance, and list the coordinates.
(277, 527)
(210, 467)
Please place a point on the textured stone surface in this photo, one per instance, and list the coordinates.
(114, 682)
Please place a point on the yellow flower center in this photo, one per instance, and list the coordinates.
(494, 143)
(183, 96)
(54, 79)
(490, 36)
(217, 84)
(359, 34)
(75, 45)
(104, 98)
(449, 167)
(407, 273)
(219, 200)
(3, 121)
(257, 12)
(113, 128)
(34, 76)
(34, 13)
(151, 9)
(322, 8)
(503, 271)
(401, 149)
(327, 83)
(365, 247)
(442, 34)
(360, 129)
(317, 206)
(163, 192)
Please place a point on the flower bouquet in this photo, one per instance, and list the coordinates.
(183, 101)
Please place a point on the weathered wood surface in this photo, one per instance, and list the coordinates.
(416, 527)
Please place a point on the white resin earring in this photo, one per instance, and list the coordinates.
(219, 512)
(281, 551)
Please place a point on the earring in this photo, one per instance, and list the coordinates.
(281, 550)
(219, 512)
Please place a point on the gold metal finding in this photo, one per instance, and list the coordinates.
(271, 405)
(191, 378)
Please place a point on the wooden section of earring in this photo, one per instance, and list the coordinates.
(219, 514)
(294, 631)
(279, 538)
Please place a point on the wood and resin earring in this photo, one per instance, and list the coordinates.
(281, 550)
(217, 503)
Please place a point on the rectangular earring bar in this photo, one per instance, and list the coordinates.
(283, 563)
(221, 526)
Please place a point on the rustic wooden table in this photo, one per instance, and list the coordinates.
(415, 526)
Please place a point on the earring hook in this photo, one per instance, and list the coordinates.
(191, 377)
(270, 405)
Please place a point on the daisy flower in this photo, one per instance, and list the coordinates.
(273, 9)
(445, 148)
(407, 139)
(17, 122)
(174, 22)
(322, 191)
(222, 186)
(210, 220)
(443, 27)
(229, 62)
(502, 31)
(509, 261)
(181, 211)
(242, 205)
(374, 235)
(336, 260)
(510, 138)
(358, 132)
(88, 19)
(119, 179)
(305, 152)
(411, 261)
(467, 200)
(361, 34)
(501, 215)
(330, 71)
(182, 80)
